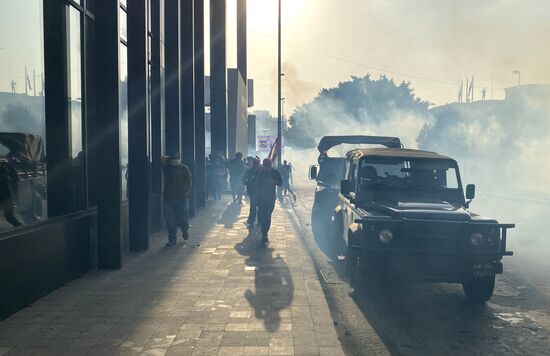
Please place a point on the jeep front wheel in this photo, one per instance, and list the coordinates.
(479, 290)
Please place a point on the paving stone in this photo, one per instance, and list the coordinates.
(219, 294)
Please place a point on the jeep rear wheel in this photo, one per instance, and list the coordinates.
(479, 290)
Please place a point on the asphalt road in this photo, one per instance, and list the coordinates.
(431, 319)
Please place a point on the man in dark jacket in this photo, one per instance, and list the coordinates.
(266, 181)
(237, 169)
(177, 185)
(249, 181)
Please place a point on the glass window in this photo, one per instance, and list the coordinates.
(22, 117)
(123, 95)
(123, 25)
(74, 76)
(75, 79)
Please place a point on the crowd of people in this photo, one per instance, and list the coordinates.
(260, 181)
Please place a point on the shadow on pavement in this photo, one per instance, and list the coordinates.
(230, 215)
(272, 280)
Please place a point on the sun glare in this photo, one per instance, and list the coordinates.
(262, 14)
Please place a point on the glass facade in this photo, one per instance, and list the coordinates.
(123, 97)
(75, 106)
(22, 114)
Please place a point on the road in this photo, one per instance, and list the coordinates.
(430, 319)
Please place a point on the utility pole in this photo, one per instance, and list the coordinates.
(279, 75)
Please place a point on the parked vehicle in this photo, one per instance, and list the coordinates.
(330, 171)
(25, 152)
(403, 212)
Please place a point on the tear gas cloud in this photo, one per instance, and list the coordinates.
(501, 146)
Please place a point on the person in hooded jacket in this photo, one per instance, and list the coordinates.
(267, 179)
(177, 186)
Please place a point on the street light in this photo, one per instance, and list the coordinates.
(515, 71)
(279, 91)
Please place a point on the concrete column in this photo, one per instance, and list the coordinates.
(218, 77)
(156, 117)
(57, 127)
(104, 143)
(241, 39)
(187, 100)
(200, 151)
(172, 76)
(138, 160)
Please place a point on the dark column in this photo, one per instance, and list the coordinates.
(104, 145)
(138, 161)
(57, 128)
(241, 39)
(218, 85)
(156, 116)
(188, 91)
(200, 151)
(172, 76)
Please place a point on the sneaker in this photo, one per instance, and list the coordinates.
(186, 235)
(294, 198)
(171, 243)
(265, 240)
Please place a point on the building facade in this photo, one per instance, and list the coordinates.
(92, 94)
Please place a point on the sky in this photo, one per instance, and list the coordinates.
(25, 49)
(431, 43)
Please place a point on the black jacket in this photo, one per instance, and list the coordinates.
(265, 183)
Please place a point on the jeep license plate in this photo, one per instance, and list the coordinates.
(483, 270)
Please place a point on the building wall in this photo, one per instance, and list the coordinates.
(71, 85)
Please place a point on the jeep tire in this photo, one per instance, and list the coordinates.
(479, 290)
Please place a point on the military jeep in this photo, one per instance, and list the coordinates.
(329, 172)
(403, 213)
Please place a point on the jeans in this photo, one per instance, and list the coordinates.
(253, 210)
(265, 209)
(176, 213)
(237, 190)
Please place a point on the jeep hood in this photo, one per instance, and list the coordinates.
(421, 210)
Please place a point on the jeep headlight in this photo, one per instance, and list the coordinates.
(477, 239)
(385, 236)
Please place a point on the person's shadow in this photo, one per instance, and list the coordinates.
(230, 215)
(273, 282)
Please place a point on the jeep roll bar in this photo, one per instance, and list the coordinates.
(328, 142)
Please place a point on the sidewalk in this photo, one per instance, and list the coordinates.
(219, 294)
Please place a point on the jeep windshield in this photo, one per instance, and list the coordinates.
(395, 179)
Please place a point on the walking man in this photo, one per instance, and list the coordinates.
(286, 171)
(236, 172)
(218, 176)
(249, 181)
(177, 185)
(266, 181)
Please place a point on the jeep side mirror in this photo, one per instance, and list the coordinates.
(312, 172)
(345, 187)
(470, 191)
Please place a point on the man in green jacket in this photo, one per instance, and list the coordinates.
(177, 185)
